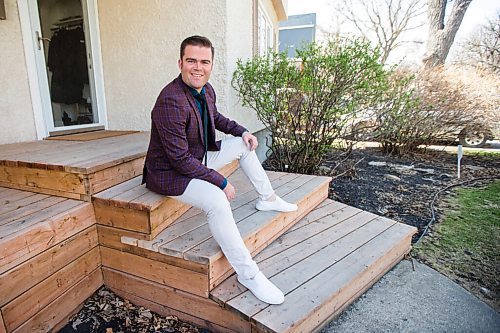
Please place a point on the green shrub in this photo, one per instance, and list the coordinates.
(308, 104)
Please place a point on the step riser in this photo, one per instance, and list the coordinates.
(68, 184)
(54, 316)
(142, 221)
(22, 309)
(146, 225)
(159, 272)
(205, 311)
(111, 238)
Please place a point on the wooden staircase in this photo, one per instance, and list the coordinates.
(49, 259)
(159, 253)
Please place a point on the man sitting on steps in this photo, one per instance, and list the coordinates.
(183, 157)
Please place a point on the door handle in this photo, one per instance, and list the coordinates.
(39, 39)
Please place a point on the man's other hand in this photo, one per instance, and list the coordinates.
(229, 191)
(250, 140)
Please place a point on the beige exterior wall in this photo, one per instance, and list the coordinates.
(140, 48)
(16, 114)
(239, 41)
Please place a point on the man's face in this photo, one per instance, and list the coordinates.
(196, 66)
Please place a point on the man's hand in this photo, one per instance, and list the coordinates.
(229, 191)
(250, 140)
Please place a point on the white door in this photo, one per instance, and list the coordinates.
(64, 47)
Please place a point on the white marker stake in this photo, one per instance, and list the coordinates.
(459, 158)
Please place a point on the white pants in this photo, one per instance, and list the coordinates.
(212, 200)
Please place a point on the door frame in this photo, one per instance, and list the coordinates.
(36, 90)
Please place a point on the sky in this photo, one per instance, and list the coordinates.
(479, 12)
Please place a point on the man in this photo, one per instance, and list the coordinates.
(183, 157)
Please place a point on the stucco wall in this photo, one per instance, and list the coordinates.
(140, 48)
(16, 115)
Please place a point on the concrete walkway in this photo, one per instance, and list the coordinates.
(416, 301)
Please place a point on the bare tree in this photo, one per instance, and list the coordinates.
(383, 20)
(441, 36)
(482, 50)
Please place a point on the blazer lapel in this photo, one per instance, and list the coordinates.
(194, 108)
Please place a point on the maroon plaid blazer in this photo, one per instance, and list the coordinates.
(176, 148)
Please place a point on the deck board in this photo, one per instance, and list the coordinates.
(308, 262)
(76, 156)
(19, 224)
(297, 245)
(201, 233)
(31, 225)
(322, 263)
(195, 218)
(14, 203)
(22, 212)
(72, 169)
(292, 192)
(330, 283)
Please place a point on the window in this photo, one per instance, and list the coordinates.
(265, 32)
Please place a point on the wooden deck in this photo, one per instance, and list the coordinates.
(72, 169)
(56, 251)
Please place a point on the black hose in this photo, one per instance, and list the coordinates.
(433, 218)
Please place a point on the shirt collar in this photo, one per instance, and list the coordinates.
(195, 93)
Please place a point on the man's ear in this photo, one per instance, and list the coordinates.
(179, 63)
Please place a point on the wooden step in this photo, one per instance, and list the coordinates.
(132, 207)
(30, 223)
(49, 259)
(322, 265)
(72, 169)
(186, 257)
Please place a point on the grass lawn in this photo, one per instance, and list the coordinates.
(465, 244)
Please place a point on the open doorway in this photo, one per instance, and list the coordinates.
(65, 51)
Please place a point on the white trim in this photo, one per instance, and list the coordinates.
(267, 22)
(95, 44)
(297, 27)
(29, 54)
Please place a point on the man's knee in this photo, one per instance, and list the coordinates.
(217, 204)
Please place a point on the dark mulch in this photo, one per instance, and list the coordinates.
(108, 313)
(403, 188)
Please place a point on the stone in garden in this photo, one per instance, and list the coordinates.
(392, 177)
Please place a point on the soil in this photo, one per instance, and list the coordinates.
(402, 188)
